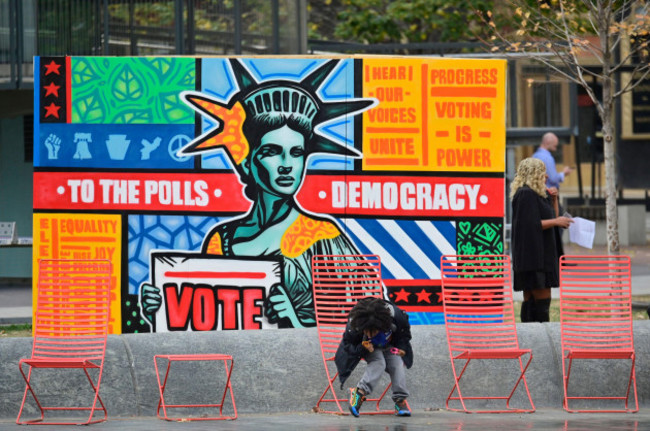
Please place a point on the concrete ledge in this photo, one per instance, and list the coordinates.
(282, 370)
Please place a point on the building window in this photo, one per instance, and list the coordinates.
(547, 100)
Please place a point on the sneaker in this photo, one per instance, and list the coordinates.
(357, 397)
(402, 408)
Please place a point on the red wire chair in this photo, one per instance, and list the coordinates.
(339, 282)
(480, 323)
(596, 319)
(208, 409)
(70, 331)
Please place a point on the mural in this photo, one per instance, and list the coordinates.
(210, 182)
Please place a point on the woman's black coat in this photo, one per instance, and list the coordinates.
(533, 249)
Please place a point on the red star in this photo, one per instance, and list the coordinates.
(424, 296)
(439, 297)
(486, 296)
(402, 295)
(52, 109)
(52, 89)
(52, 67)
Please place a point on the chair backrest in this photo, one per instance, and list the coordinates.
(477, 302)
(72, 309)
(339, 282)
(596, 303)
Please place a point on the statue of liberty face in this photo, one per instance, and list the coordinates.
(278, 163)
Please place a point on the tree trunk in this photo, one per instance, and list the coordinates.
(606, 110)
(611, 211)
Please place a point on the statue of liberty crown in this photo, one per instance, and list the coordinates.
(296, 99)
(282, 99)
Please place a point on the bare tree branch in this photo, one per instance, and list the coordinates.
(633, 83)
(581, 41)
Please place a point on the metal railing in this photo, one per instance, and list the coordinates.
(144, 27)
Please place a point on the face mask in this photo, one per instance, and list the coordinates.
(381, 339)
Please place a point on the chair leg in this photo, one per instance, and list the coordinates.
(159, 361)
(97, 398)
(227, 388)
(161, 388)
(381, 397)
(632, 385)
(522, 378)
(28, 388)
(330, 388)
(93, 407)
(456, 387)
(567, 375)
(530, 399)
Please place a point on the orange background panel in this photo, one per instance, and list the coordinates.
(81, 236)
(444, 115)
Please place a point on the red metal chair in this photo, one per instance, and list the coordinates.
(596, 319)
(162, 386)
(339, 282)
(480, 323)
(70, 331)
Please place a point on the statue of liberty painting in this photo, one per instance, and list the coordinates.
(268, 131)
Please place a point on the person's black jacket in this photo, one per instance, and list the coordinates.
(533, 249)
(350, 350)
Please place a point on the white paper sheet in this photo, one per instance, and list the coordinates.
(582, 232)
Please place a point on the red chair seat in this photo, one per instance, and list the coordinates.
(59, 363)
(493, 354)
(599, 354)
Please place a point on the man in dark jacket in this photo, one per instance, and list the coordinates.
(380, 333)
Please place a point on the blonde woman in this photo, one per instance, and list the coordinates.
(534, 243)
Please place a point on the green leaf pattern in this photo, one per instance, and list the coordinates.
(134, 117)
(131, 90)
(174, 109)
(82, 73)
(88, 109)
(479, 237)
(127, 87)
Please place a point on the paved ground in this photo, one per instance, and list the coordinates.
(440, 420)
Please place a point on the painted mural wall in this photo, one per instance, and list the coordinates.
(210, 182)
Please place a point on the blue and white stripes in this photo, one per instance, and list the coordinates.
(409, 249)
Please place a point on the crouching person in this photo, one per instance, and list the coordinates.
(380, 333)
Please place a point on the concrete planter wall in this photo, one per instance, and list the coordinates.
(281, 370)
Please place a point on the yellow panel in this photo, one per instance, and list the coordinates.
(435, 115)
(82, 236)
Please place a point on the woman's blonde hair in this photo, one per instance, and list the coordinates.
(530, 172)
